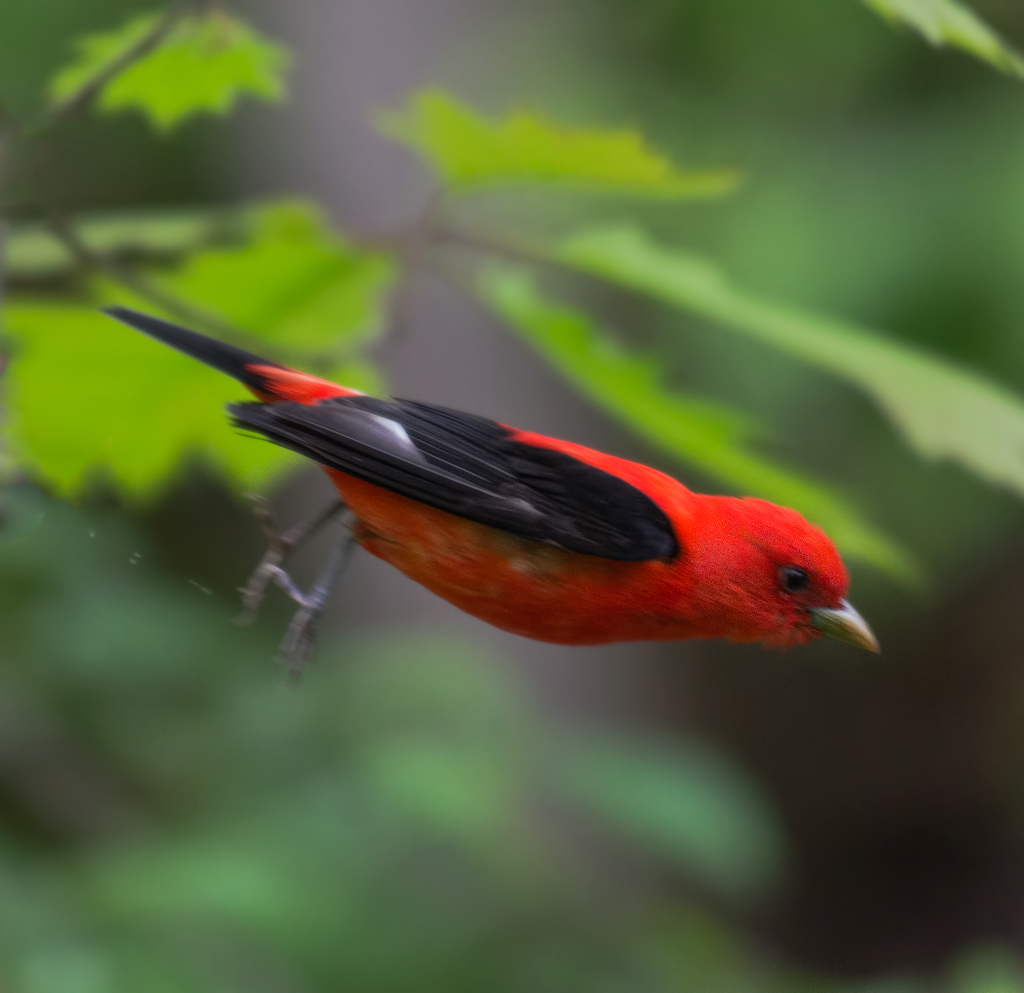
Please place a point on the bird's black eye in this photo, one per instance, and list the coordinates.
(794, 579)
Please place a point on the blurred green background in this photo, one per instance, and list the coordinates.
(440, 807)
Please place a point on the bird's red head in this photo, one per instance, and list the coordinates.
(766, 574)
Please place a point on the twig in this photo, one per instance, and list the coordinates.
(195, 317)
(35, 136)
(4, 145)
(410, 245)
(138, 284)
(80, 100)
(491, 245)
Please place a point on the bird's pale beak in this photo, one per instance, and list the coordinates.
(846, 625)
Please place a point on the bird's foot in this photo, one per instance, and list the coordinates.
(300, 639)
(279, 547)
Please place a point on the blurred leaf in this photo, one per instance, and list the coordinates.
(987, 970)
(708, 436)
(296, 282)
(941, 410)
(468, 795)
(946, 22)
(695, 951)
(887, 984)
(284, 274)
(468, 152)
(208, 876)
(8, 469)
(202, 66)
(72, 968)
(439, 732)
(444, 687)
(32, 252)
(683, 803)
(21, 512)
(85, 392)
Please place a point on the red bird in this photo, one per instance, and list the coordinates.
(541, 537)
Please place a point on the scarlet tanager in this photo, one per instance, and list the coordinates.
(544, 538)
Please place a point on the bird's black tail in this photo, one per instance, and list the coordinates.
(235, 362)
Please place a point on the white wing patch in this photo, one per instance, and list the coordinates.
(396, 429)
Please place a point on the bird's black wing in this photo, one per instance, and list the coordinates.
(471, 467)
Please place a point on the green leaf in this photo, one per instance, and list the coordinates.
(202, 66)
(946, 22)
(942, 411)
(686, 804)
(470, 152)
(85, 393)
(706, 435)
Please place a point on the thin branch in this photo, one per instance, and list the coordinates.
(177, 308)
(142, 287)
(488, 244)
(410, 245)
(491, 245)
(83, 97)
(35, 135)
(5, 142)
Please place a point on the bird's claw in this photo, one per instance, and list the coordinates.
(279, 547)
(300, 639)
